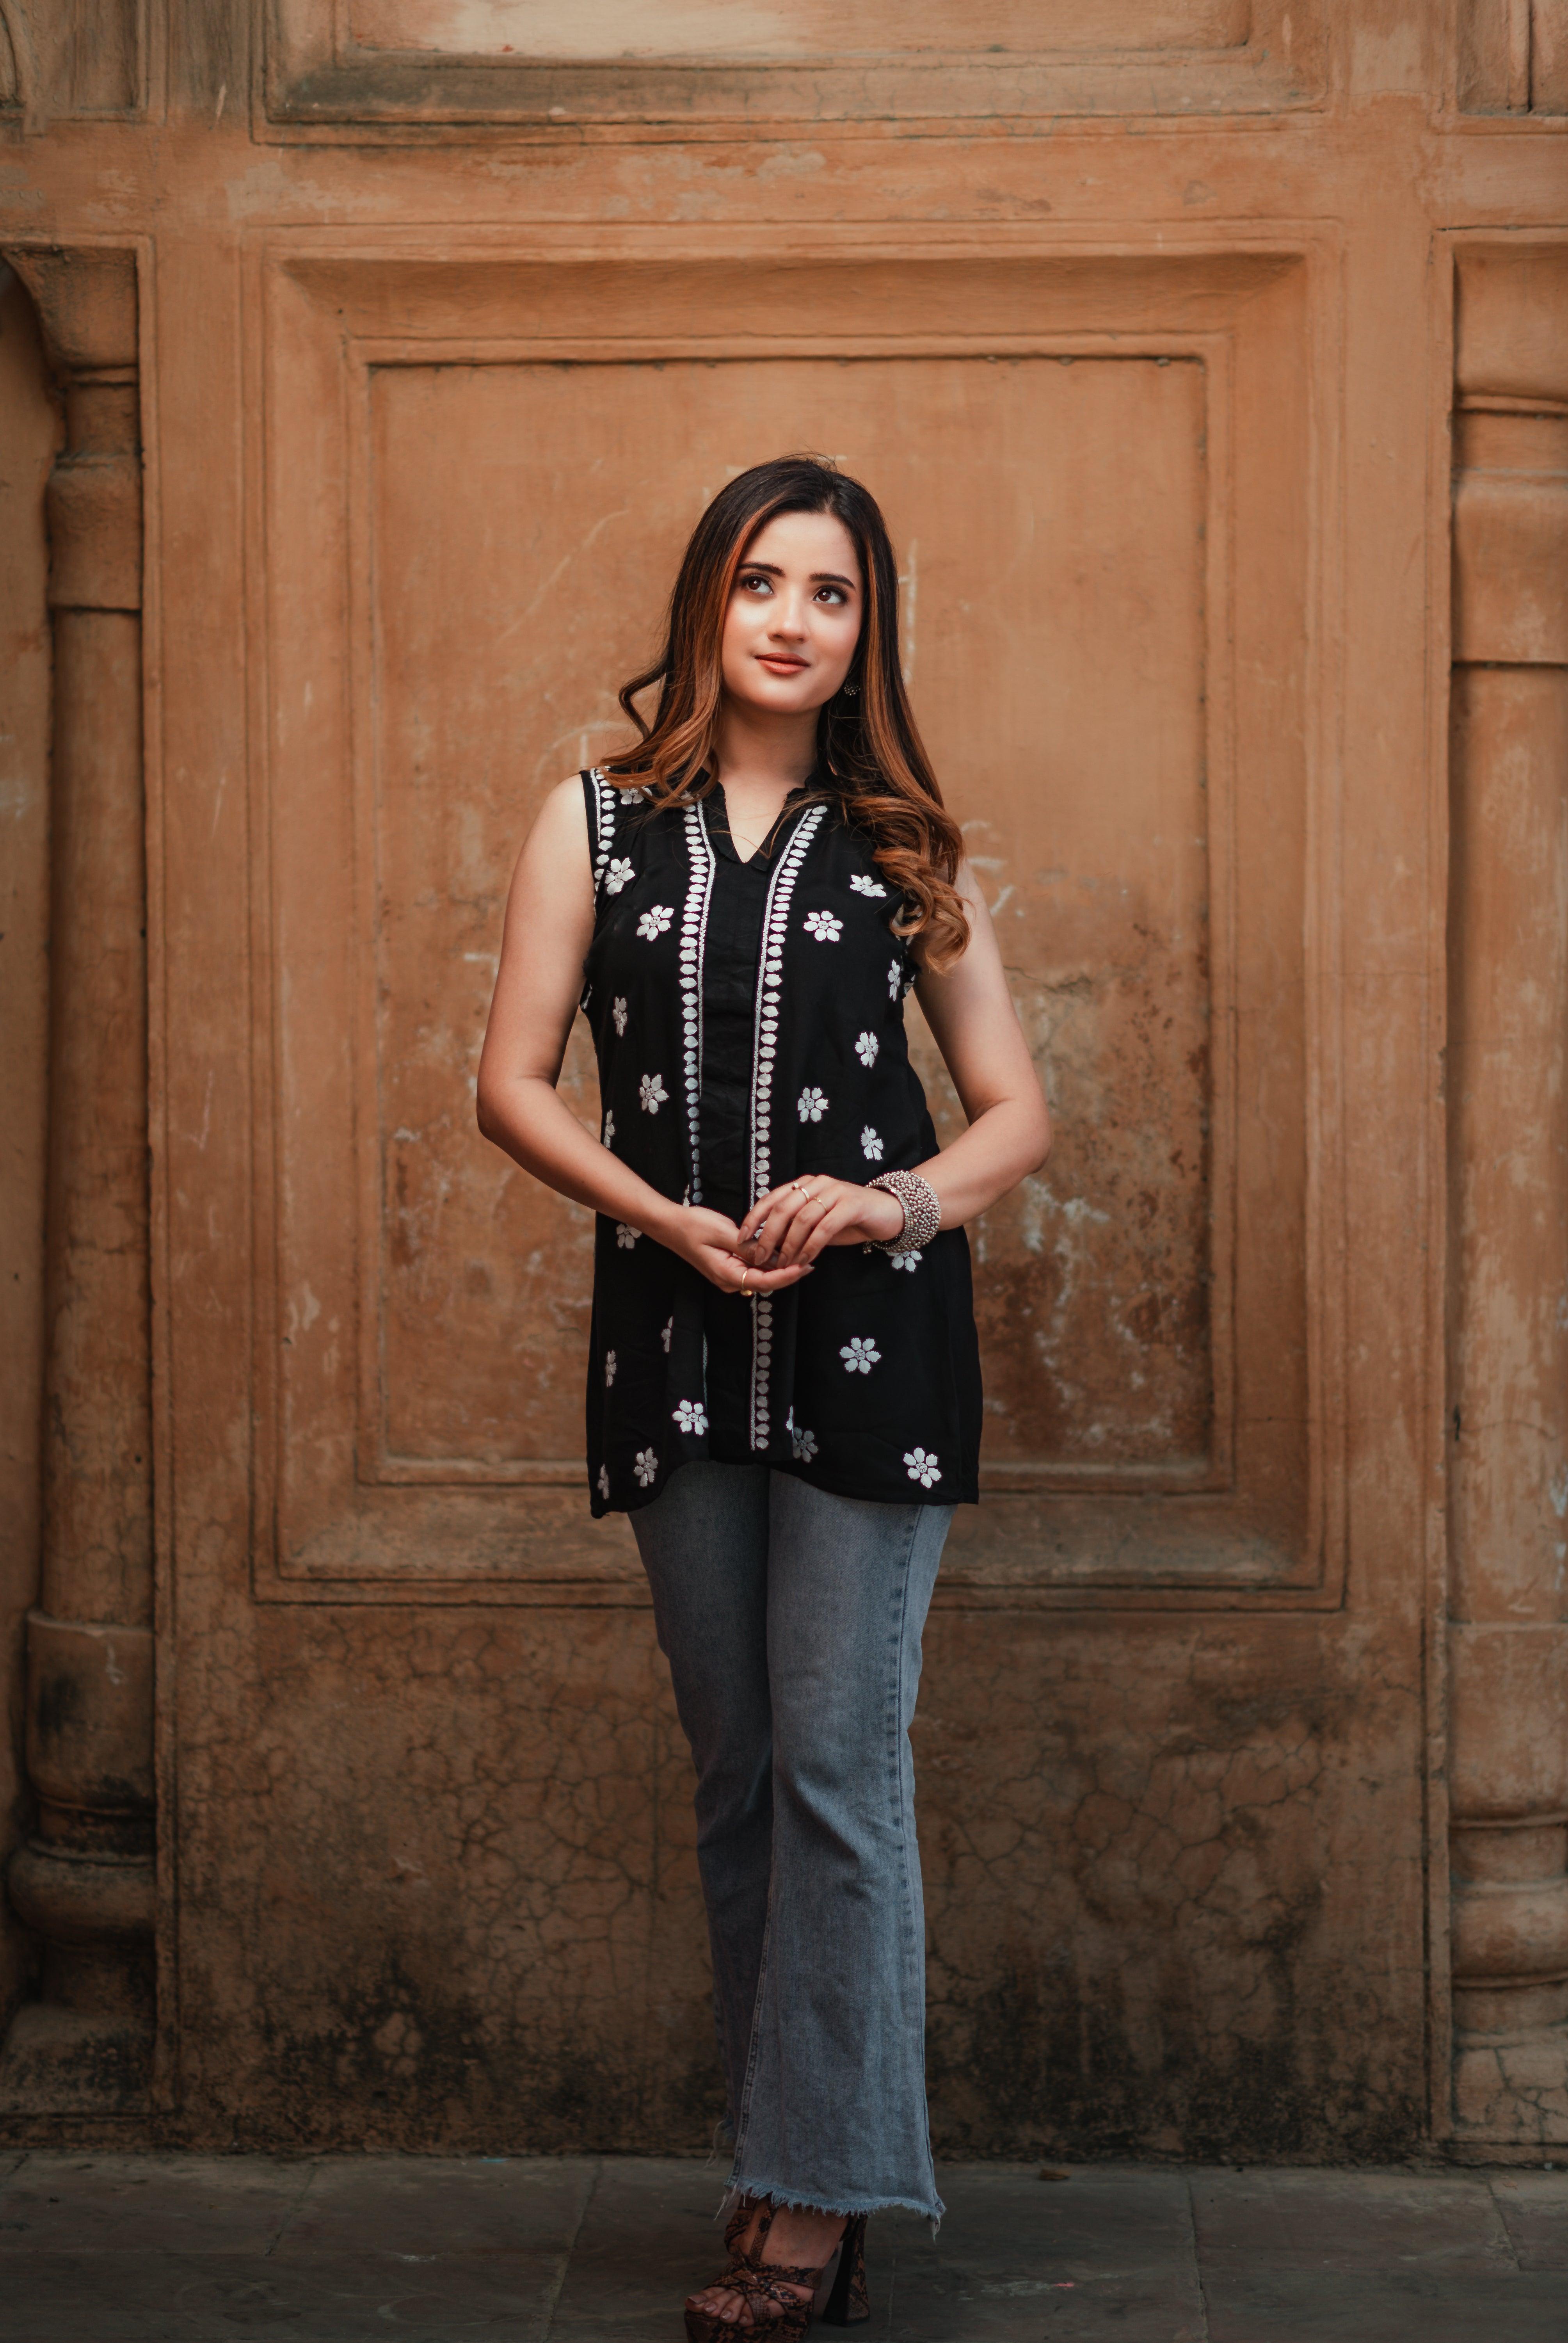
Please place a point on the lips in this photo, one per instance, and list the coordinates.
(783, 664)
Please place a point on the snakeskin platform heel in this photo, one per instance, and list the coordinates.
(760, 2283)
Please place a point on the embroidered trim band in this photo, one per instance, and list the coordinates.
(765, 1043)
(605, 802)
(693, 944)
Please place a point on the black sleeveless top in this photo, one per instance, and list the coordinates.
(749, 1022)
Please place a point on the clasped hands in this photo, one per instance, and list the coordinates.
(777, 1243)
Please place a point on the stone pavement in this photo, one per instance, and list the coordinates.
(102, 2249)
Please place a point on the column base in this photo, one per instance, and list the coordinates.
(75, 2062)
(1511, 2088)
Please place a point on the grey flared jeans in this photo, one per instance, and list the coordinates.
(791, 1620)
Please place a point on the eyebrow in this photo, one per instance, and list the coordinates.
(818, 577)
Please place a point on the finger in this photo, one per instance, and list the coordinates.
(767, 1223)
(804, 1224)
(826, 1231)
(779, 1206)
(769, 1280)
(767, 1204)
(721, 1271)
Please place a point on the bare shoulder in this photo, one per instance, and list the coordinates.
(559, 836)
(979, 965)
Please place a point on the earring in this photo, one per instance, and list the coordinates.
(850, 689)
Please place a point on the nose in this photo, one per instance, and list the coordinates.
(789, 617)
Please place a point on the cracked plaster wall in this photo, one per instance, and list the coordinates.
(439, 1885)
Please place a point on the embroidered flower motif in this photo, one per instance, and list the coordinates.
(894, 973)
(617, 1011)
(609, 1369)
(921, 1465)
(691, 1415)
(667, 1336)
(645, 1464)
(812, 1105)
(609, 1129)
(626, 1237)
(824, 925)
(655, 921)
(860, 1356)
(904, 1259)
(616, 877)
(805, 1445)
(604, 1483)
(652, 1094)
(865, 1048)
(871, 1145)
(864, 886)
(634, 796)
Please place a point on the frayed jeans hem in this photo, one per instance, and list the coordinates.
(789, 2200)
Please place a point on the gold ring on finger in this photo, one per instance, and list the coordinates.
(744, 1275)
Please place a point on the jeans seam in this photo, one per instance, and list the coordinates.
(915, 1955)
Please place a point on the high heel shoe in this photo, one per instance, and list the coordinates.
(849, 2302)
(758, 2282)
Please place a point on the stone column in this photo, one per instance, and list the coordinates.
(84, 1880)
(1508, 1058)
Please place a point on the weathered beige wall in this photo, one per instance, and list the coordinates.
(1151, 349)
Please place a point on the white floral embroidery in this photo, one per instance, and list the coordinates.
(609, 1369)
(616, 877)
(805, 1445)
(904, 1259)
(859, 1355)
(922, 1466)
(634, 796)
(823, 925)
(864, 886)
(892, 981)
(617, 1011)
(812, 1105)
(609, 1129)
(691, 1415)
(652, 1094)
(604, 1483)
(655, 921)
(871, 1145)
(866, 1047)
(667, 1336)
(645, 1464)
(626, 1237)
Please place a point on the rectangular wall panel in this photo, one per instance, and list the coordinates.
(1103, 615)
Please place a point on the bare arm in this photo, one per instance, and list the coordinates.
(970, 1013)
(549, 929)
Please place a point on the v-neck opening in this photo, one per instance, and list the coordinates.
(766, 853)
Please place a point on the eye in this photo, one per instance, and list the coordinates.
(830, 593)
(753, 582)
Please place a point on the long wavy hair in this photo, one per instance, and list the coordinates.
(870, 753)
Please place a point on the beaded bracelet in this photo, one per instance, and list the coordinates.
(922, 1213)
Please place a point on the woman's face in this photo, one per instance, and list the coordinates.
(794, 615)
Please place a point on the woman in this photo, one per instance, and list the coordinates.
(784, 1382)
